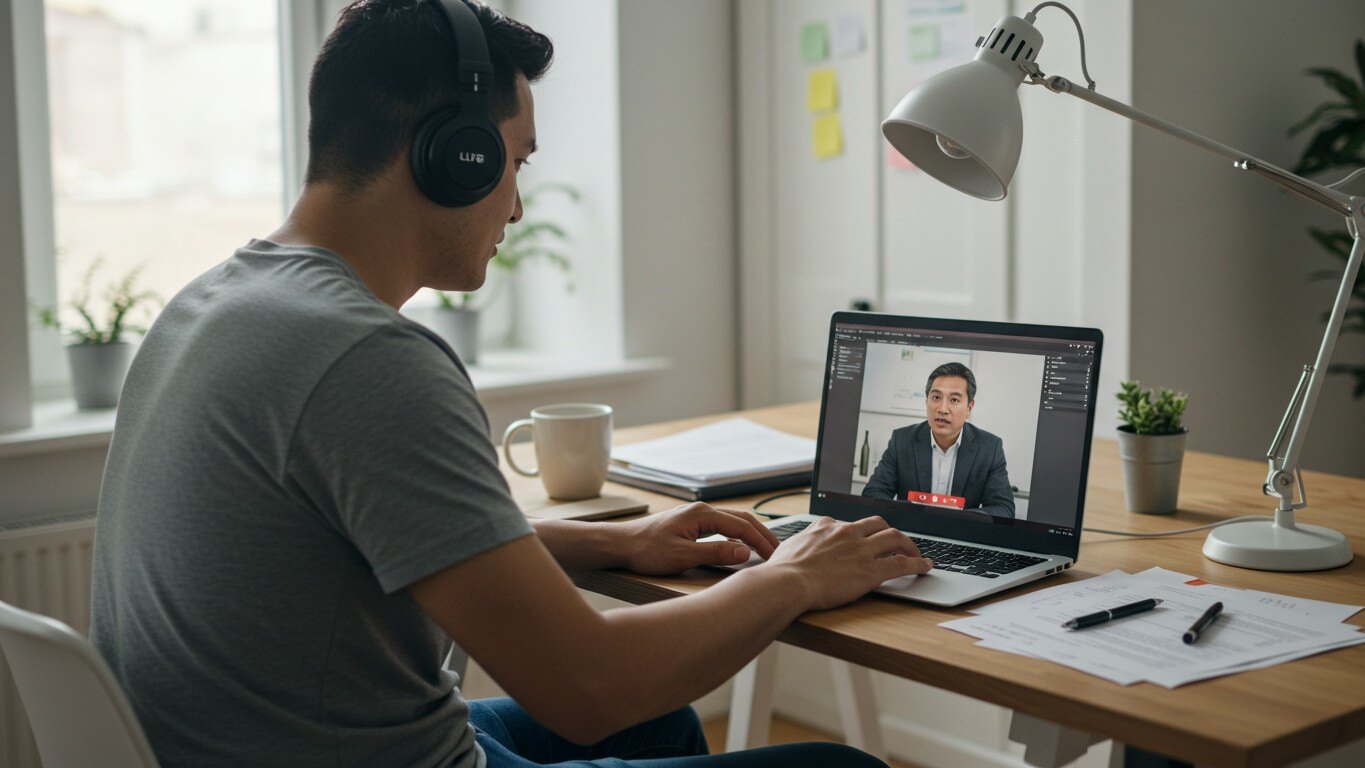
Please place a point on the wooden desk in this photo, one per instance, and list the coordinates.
(1267, 717)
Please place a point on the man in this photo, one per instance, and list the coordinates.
(301, 506)
(944, 454)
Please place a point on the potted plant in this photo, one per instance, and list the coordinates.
(456, 317)
(1152, 444)
(98, 352)
(1338, 145)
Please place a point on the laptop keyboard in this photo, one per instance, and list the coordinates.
(947, 555)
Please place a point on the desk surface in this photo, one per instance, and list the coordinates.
(1263, 718)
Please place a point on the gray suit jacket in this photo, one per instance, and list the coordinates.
(979, 475)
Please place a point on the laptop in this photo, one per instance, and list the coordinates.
(1002, 506)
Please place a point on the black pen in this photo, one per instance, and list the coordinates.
(1091, 619)
(1202, 623)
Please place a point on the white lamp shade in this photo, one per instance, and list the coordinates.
(974, 106)
(963, 126)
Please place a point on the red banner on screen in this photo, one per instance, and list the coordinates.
(936, 500)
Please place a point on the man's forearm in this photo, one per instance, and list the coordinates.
(659, 657)
(581, 546)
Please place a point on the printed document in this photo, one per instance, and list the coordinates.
(1255, 630)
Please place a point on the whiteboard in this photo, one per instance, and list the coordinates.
(894, 376)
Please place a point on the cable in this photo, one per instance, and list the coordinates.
(761, 502)
(1033, 14)
(1180, 531)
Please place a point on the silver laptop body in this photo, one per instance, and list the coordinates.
(1038, 386)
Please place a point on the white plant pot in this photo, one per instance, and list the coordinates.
(459, 326)
(1151, 470)
(97, 372)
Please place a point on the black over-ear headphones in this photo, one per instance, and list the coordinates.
(457, 152)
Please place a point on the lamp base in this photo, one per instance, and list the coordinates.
(1266, 546)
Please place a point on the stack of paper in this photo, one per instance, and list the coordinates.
(1256, 629)
(726, 457)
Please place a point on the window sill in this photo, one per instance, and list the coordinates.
(58, 426)
(510, 373)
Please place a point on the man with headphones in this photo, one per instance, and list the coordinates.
(302, 507)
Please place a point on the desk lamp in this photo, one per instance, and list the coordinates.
(964, 127)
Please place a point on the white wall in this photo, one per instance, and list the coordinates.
(1069, 203)
(1222, 302)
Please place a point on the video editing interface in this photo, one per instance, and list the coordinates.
(1020, 442)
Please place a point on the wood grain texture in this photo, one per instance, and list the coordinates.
(1263, 718)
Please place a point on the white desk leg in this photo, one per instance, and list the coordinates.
(751, 702)
(858, 707)
(1048, 745)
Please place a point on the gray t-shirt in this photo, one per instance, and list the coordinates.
(290, 453)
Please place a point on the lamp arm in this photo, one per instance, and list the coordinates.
(1284, 476)
(1333, 200)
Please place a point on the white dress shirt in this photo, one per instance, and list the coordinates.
(944, 464)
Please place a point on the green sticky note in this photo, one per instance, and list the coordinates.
(822, 91)
(828, 137)
(923, 42)
(814, 42)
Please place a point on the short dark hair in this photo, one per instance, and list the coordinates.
(953, 369)
(390, 63)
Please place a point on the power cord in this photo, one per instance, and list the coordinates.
(1179, 531)
(761, 502)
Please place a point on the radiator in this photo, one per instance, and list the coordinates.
(44, 568)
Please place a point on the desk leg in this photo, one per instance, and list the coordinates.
(751, 702)
(1048, 745)
(858, 707)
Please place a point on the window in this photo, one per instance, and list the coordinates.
(166, 136)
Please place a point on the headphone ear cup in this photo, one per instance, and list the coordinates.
(456, 162)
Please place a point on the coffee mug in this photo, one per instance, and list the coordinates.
(573, 446)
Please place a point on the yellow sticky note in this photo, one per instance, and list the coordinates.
(829, 137)
(822, 91)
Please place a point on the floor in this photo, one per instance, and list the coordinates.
(783, 732)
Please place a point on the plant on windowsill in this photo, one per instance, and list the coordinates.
(97, 351)
(1338, 144)
(1152, 444)
(456, 316)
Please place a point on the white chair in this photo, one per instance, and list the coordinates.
(79, 714)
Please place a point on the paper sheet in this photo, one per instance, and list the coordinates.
(850, 35)
(829, 137)
(822, 91)
(1256, 629)
(814, 42)
(721, 450)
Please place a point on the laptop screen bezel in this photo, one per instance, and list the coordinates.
(972, 528)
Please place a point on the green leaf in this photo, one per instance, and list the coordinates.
(1319, 112)
(1360, 59)
(1337, 81)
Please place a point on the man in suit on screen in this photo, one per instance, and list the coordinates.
(944, 454)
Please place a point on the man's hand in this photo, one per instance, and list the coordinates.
(666, 543)
(841, 562)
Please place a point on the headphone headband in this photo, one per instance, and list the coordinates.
(474, 65)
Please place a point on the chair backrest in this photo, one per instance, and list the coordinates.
(78, 713)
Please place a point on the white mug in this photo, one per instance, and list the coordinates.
(573, 446)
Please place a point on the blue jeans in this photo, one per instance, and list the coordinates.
(511, 739)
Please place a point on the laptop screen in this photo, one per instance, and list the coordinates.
(971, 430)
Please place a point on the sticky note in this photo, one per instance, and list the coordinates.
(822, 91)
(814, 42)
(923, 42)
(895, 159)
(850, 35)
(829, 137)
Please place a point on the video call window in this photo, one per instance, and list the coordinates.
(1002, 420)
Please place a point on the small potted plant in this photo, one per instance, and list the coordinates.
(455, 318)
(1152, 444)
(98, 352)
